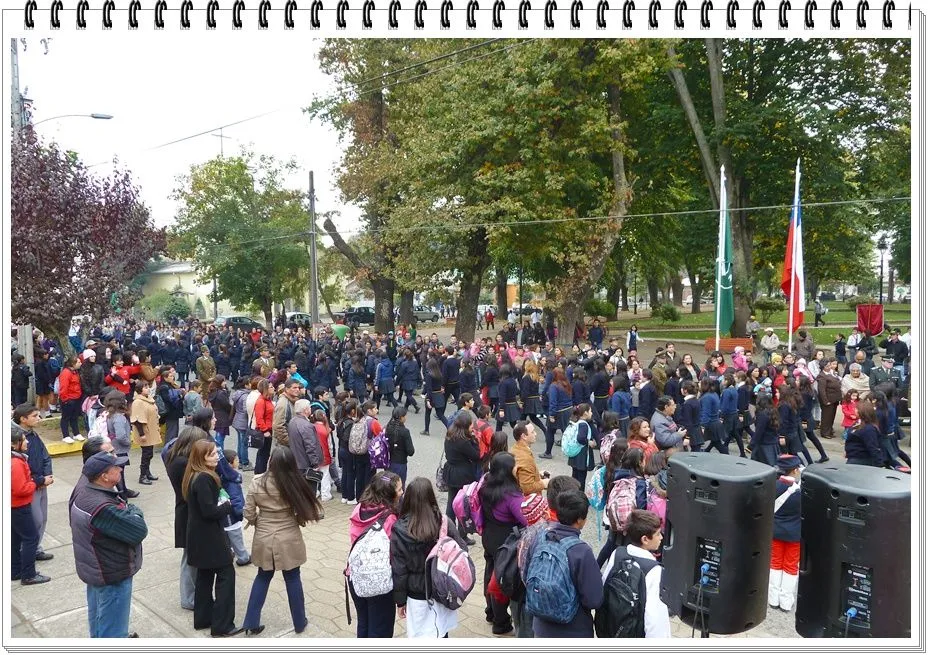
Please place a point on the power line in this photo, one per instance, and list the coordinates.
(425, 63)
(689, 212)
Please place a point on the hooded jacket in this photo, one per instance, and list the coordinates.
(407, 556)
(364, 516)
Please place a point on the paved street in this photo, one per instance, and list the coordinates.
(58, 608)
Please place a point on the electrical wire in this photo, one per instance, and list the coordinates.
(452, 226)
(424, 63)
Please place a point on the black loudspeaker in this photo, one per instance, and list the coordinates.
(719, 534)
(855, 565)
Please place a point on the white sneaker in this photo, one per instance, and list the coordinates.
(351, 502)
(326, 499)
(68, 440)
(78, 437)
(344, 502)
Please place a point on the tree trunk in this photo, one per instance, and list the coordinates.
(383, 303)
(268, 308)
(60, 334)
(892, 285)
(471, 282)
(676, 288)
(574, 290)
(653, 292)
(502, 300)
(624, 297)
(406, 298)
(696, 290)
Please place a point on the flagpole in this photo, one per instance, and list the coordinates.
(792, 277)
(723, 195)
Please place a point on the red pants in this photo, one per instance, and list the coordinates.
(784, 556)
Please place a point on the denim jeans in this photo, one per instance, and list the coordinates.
(108, 609)
(400, 470)
(188, 579)
(242, 449)
(220, 437)
(294, 596)
(24, 541)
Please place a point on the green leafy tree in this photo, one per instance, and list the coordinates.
(236, 223)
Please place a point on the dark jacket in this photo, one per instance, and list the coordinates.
(207, 547)
(222, 408)
(91, 379)
(647, 400)
(691, 411)
(40, 462)
(587, 580)
(462, 461)
(175, 470)
(789, 420)
(106, 536)
(580, 392)
(304, 442)
(787, 523)
(401, 446)
(232, 483)
(407, 374)
(863, 445)
(587, 435)
(450, 370)
(175, 406)
(407, 557)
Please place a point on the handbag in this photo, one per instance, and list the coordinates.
(440, 483)
(255, 438)
(313, 476)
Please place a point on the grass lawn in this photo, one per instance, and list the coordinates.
(897, 315)
(824, 336)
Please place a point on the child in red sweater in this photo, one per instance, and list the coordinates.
(25, 540)
(849, 409)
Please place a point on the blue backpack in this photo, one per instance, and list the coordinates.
(569, 443)
(550, 593)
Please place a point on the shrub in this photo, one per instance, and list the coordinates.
(599, 307)
(667, 313)
(767, 307)
(860, 300)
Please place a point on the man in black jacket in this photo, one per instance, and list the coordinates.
(450, 373)
(26, 416)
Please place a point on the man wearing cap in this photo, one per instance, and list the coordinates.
(884, 373)
(897, 351)
(106, 534)
(784, 555)
(769, 344)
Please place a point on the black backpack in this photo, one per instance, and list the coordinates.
(506, 566)
(624, 596)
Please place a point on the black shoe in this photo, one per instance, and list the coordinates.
(131, 493)
(503, 631)
(820, 461)
(144, 480)
(489, 617)
(254, 631)
(417, 409)
(43, 557)
(424, 433)
(133, 635)
(546, 456)
(37, 579)
(151, 477)
(231, 633)
(245, 563)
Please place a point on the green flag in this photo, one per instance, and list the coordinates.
(724, 283)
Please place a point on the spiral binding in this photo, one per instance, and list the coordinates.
(393, 8)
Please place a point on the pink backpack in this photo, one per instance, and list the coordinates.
(657, 504)
(621, 503)
(450, 572)
(468, 509)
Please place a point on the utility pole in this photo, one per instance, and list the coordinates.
(222, 151)
(313, 268)
(16, 97)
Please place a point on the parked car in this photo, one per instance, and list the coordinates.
(240, 322)
(301, 319)
(424, 314)
(355, 316)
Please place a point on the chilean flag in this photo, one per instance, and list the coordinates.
(794, 278)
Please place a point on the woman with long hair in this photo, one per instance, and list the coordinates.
(218, 398)
(640, 436)
(499, 443)
(379, 504)
(509, 410)
(765, 445)
(144, 418)
(501, 503)
(710, 419)
(863, 443)
(207, 546)
(807, 401)
(434, 392)
(627, 463)
(560, 404)
(790, 429)
(261, 418)
(115, 410)
(530, 384)
(462, 458)
(176, 465)
(401, 446)
(588, 438)
(278, 504)
(349, 414)
(414, 535)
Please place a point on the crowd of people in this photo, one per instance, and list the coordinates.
(308, 407)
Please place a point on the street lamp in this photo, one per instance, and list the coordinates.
(99, 117)
(881, 244)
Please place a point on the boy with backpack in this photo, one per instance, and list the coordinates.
(631, 573)
(563, 584)
(231, 479)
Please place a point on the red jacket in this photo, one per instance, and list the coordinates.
(126, 373)
(69, 385)
(264, 415)
(22, 484)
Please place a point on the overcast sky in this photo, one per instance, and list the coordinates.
(160, 89)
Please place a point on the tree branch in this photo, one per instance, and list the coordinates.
(342, 246)
(705, 152)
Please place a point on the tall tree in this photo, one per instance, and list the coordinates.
(77, 240)
(236, 222)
